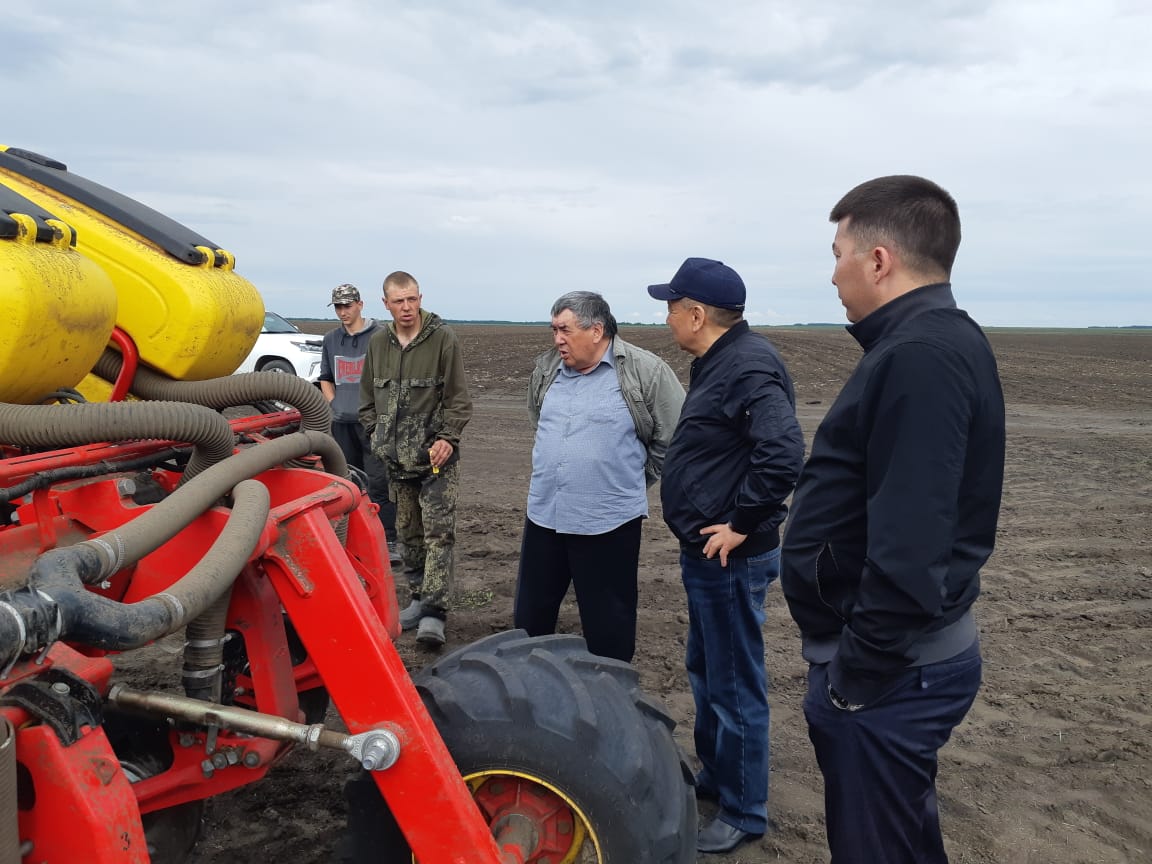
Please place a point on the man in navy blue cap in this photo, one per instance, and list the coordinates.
(733, 459)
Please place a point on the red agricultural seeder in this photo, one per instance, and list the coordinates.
(168, 514)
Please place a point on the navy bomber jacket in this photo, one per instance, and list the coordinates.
(737, 449)
(895, 511)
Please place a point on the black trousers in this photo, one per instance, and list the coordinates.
(353, 440)
(879, 763)
(600, 567)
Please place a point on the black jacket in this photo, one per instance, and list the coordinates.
(895, 511)
(737, 449)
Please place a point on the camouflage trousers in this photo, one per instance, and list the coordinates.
(426, 525)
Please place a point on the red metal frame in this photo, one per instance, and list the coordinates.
(342, 604)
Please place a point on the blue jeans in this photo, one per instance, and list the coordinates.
(725, 660)
(879, 763)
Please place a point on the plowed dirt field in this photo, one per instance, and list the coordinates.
(1053, 764)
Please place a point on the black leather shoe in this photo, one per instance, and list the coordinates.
(719, 836)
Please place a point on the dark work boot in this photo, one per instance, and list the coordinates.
(410, 617)
(431, 632)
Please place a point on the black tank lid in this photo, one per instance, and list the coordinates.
(177, 240)
(13, 202)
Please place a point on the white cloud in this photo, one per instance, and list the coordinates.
(506, 152)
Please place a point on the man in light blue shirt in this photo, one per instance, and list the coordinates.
(604, 412)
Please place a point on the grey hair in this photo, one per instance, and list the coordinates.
(589, 309)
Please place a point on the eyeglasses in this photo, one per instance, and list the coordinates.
(342, 305)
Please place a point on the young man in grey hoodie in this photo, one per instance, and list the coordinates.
(341, 364)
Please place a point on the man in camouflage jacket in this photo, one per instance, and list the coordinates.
(414, 405)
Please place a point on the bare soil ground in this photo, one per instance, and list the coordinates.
(1054, 763)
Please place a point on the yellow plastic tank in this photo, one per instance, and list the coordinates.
(59, 307)
(179, 298)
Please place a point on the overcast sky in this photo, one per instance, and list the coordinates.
(507, 151)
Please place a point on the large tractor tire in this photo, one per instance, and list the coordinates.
(539, 723)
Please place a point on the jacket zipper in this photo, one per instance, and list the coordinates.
(819, 586)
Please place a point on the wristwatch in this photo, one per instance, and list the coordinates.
(840, 702)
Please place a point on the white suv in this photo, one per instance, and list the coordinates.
(281, 347)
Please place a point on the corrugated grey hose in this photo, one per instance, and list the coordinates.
(53, 426)
(202, 672)
(55, 587)
(9, 829)
(100, 622)
(147, 532)
(229, 391)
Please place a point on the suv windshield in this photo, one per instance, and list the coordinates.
(273, 323)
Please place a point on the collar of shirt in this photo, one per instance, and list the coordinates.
(872, 328)
(609, 360)
(587, 461)
(726, 338)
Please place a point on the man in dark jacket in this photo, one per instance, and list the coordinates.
(341, 364)
(414, 403)
(893, 516)
(732, 461)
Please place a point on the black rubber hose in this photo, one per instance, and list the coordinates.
(44, 479)
(99, 622)
(52, 426)
(14, 636)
